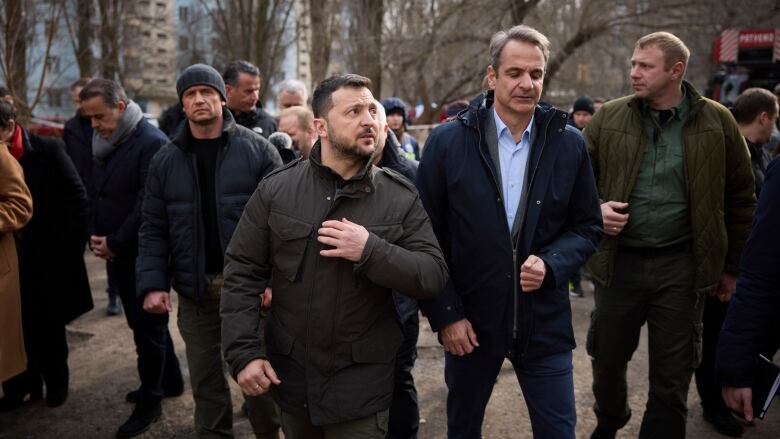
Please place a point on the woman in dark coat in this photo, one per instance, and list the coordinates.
(54, 283)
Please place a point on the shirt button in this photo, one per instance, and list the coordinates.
(327, 198)
(538, 202)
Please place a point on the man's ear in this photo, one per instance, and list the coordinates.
(678, 70)
(121, 105)
(321, 127)
(491, 75)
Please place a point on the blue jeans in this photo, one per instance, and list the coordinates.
(547, 383)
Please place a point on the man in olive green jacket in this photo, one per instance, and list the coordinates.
(674, 176)
(336, 235)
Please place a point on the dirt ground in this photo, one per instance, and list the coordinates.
(102, 368)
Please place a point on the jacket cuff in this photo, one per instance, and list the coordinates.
(440, 315)
(368, 249)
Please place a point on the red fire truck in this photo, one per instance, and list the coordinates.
(748, 58)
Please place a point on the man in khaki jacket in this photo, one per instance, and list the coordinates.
(15, 210)
(674, 175)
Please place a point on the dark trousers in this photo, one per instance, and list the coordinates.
(158, 366)
(404, 411)
(706, 384)
(200, 327)
(547, 384)
(370, 427)
(47, 358)
(657, 288)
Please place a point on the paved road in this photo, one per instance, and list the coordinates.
(103, 370)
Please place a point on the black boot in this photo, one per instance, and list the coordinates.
(722, 420)
(167, 393)
(603, 433)
(142, 418)
(56, 396)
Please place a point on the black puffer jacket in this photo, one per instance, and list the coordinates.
(258, 121)
(172, 237)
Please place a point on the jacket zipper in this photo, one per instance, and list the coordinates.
(513, 244)
(516, 326)
(198, 228)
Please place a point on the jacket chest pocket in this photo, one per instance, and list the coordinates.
(290, 239)
(388, 232)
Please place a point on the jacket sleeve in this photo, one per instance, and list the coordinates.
(123, 240)
(16, 206)
(582, 230)
(754, 308)
(71, 189)
(739, 200)
(413, 265)
(152, 265)
(447, 307)
(246, 273)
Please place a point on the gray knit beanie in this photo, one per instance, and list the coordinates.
(200, 74)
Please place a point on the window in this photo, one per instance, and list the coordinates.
(162, 36)
(54, 64)
(184, 43)
(184, 13)
(54, 98)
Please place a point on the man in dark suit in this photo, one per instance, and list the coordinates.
(123, 145)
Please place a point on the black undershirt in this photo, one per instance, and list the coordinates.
(206, 159)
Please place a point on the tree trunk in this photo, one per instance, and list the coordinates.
(15, 37)
(84, 36)
(323, 30)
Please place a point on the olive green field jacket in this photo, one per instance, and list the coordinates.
(718, 176)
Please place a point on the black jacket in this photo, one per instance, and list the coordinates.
(258, 121)
(54, 283)
(77, 136)
(405, 306)
(172, 237)
(751, 322)
(119, 189)
(332, 333)
(562, 225)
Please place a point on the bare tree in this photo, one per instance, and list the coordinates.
(324, 17)
(18, 20)
(78, 19)
(364, 48)
(255, 30)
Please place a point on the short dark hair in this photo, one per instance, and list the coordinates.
(234, 69)
(752, 102)
(7, 113)
(81, 82)
(4, 92)
(111, 92)
(321, 102)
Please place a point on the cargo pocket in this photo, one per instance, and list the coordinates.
(697, 344)
(590, 341)
(379, 347)
(289, 242)
(278, 341)
(388, 232)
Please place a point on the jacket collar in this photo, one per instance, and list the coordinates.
(478, 110)
(362, 182)
(695, 99)
(183, 137)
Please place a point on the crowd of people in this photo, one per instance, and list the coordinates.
(303, 261)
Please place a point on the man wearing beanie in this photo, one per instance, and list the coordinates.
(195, 193)
(582, 112)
